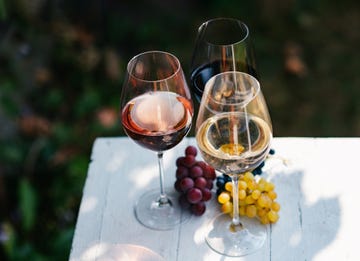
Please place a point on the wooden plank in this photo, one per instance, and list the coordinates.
(316, 190)
(91, 212)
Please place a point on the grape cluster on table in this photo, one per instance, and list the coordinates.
(194, 181)
(257, 196)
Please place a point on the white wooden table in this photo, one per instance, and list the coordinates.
(318, 189)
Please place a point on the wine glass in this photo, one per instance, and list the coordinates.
(156, 113)
(222, 44)
(233, 133)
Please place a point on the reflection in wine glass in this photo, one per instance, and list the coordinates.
(233, 133)
(222, 44)
(156, 112)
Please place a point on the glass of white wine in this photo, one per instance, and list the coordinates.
(233, 133)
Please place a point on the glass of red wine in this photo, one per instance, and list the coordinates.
(156, 113)
(222, 44)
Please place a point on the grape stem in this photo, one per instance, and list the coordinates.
(163, 199)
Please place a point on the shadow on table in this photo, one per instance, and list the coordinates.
(309, 226)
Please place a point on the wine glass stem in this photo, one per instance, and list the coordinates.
(235, 182)
(163, 200)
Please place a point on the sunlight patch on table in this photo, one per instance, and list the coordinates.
(295, 239)
(88, 204)
(115, 163)
(143, 177)
(199, 235)
(94, 252)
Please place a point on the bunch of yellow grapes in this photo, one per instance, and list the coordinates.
(257, 198)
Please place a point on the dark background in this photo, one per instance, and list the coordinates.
(62, 64)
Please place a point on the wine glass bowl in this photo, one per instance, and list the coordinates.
(222, 44)
(233, 133)
(156, 113)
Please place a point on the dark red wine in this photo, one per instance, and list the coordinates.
(202, 74)
(157, 121)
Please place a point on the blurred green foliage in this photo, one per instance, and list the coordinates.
(61, 67)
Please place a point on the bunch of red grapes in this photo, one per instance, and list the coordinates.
(194, 181)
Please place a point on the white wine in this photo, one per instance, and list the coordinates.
(234, 142)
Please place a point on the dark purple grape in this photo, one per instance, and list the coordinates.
(209, 172)
(179, 160)
(191, 150)
(196, 172)
(187, 161)
(209, 184)
(186, 184)
(200, 182)
(227, 178)
(177, 185)
(206, 193)
(182, 172)
(202, 165)
(257, 171)
(198, 209)
(183, 202)
(194, 195)
(220, 182)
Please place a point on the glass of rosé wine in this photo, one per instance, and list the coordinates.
(156, 113)
(234, 133)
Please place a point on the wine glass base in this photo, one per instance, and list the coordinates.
(152, 214)
(235, 241)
